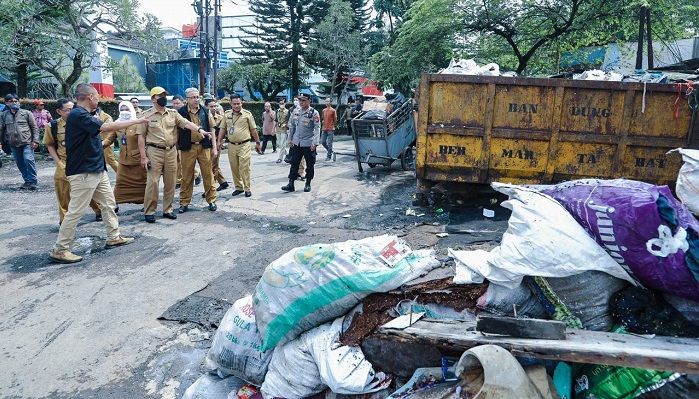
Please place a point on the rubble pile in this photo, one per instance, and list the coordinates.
(615, 256)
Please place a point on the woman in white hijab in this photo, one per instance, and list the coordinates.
(131, 177)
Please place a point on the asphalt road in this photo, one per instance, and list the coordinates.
(93, 329)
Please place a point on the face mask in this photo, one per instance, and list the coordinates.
(14, 106)
(296, 104)
(125, 115)
(162, 101)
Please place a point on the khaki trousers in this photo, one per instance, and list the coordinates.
(201, 155)
(216, 168)
(179, 168)
(62, 185)
(110, 159)
(162, 162)
(239, 158)
(83, 188)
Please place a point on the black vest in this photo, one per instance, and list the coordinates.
(184, 141)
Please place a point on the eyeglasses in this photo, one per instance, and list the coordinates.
(193, 98)
(12, 101)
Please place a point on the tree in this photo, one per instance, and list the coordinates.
(281, 34)
(338, 45)
(424, 43)
(126, 77)
(257, 78)
(59, 36)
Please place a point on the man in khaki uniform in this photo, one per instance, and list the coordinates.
(106, 144)
(196, 148)
(238, 125)
(54, 140)
(217, 113)
(157, 144)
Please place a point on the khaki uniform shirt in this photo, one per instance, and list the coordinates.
(194, 116)
(107, 137)
(238, 127)
(282, 120)
(162, 127)
(60, 136)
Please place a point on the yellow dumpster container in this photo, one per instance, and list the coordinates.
(480, 129)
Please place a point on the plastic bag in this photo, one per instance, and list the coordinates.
(609, 382)
(687, 187)
(324, 364)
(586, 296)
(311, 285)
(235, 349)
(503, 301)
(209, 386)
(541, 239)
(642, 226)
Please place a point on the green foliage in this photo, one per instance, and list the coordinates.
(257, 78)
(338, 47)
(126, 76)
(424, 44)
(58, 36)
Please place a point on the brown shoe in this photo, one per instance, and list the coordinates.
(64, 256)
(119, 241)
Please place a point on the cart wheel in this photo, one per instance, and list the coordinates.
(371, 165)
(407, 158)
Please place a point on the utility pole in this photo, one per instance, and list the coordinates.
(202, 69)
(639, 49)
(649, 34)
(207, 47)
(217, 28)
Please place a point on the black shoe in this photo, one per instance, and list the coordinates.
(203, 195)
(279, 161)
(236, 192)
(289, 187)
(98, 218)
(178, 185)
(307, 187)
(169, 215)
(248, 194)
(212, 207)
(197, 181)
(222, 186)
(149, 218)
(24, 186)
(116, 210)
(183, 209)
(31, 187)
(302, 178)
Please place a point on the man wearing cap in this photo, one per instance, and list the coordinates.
(157, 144)
(196, 148)
(304, 136)
(238, 125)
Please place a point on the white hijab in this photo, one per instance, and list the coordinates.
(131, 109)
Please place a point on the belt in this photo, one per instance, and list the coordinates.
(240, 142)
(162, 147)
(198, 142)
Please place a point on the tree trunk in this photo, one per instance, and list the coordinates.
(22, 79)
(332, 84)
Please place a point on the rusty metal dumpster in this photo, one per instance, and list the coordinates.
(479, 129)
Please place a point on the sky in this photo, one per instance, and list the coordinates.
(175, 13)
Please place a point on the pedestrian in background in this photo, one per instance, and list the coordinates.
(86, 171)
(197, 147)
(177, 102)
(268, 119)
(282, 125)
(18, 130)
(217, 113)
(55, 142)
(157, 144)
(131, 177)
(304, 135)
(238, 126)
(347, 115)
(107, 144)
(328, 130)
(134, 102)
(42, 117)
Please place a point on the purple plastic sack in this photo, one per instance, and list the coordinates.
(624, 217)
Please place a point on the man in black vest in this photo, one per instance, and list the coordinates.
(197, 147)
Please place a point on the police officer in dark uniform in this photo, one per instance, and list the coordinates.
(304, 136)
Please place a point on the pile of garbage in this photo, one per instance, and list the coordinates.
(380, 108)
(617, 256)
(471, 67)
